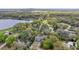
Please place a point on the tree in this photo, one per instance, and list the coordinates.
(47, 44)
(28, 36)
(53, 38)
(19, 27)
(36, 24)
(9, 40)
(53, 22)
(2, 37)
(77, 44)
(59, 45)
(63, 25)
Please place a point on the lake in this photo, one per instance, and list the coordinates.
(7, 23)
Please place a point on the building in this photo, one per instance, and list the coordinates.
(7, 33)
(39, 38)
(67, 35)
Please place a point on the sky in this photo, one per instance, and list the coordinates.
(39, 4)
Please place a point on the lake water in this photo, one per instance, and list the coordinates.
(7, 23)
